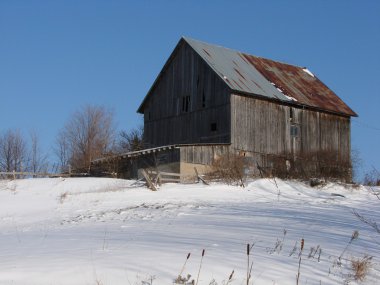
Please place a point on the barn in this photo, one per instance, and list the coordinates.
(209, 100)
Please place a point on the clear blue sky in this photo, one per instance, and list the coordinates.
(56, 56)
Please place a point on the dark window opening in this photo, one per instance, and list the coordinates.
(291, 115)
(294, 130)
(185, 104)
(213, 127)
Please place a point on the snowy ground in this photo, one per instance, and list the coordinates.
(109, 232)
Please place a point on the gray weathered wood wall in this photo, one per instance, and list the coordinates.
(263, 127)
(202, 154)
(164, 120)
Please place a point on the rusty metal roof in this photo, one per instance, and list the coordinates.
(271, 79)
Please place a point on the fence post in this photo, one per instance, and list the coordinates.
(14, 174)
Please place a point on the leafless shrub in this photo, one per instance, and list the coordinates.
(228, 168)
(319, 164)
(372, 178)
(360, 267)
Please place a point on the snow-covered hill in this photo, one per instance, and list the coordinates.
(109, 231)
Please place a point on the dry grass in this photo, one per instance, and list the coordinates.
(360, 267)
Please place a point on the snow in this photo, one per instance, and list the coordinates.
(281, 91)
(308, 72)
(290, 98)
(110, 231)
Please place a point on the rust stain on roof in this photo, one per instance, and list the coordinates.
(295, 82)
(207, 53)
(238, 72)
(238, 85)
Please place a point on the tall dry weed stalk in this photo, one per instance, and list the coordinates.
(200, 266)
(300, 260)
(354, 236)
(249, 263)
(184, 265)
(230, 277)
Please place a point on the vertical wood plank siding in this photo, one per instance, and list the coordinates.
(164, 120)
(264, 127)
(205, 154)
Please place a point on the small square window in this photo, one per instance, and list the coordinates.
(294, 130)
(214, 127)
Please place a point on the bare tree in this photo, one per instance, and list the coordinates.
(13, 151)
(89, 134)
(61, 150)
(38, 161)
(132, 140)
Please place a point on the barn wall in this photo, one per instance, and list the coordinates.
(200, 157)
(165, 121)
(264, 127)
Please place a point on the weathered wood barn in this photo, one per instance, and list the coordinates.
(208, 100)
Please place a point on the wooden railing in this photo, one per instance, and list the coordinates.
(19, 174)
(155, 178)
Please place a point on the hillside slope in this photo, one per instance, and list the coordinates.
(109, 231)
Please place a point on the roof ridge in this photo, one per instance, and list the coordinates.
(239, 51)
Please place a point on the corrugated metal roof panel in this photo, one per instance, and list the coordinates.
(268, 78)
(235, 70)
